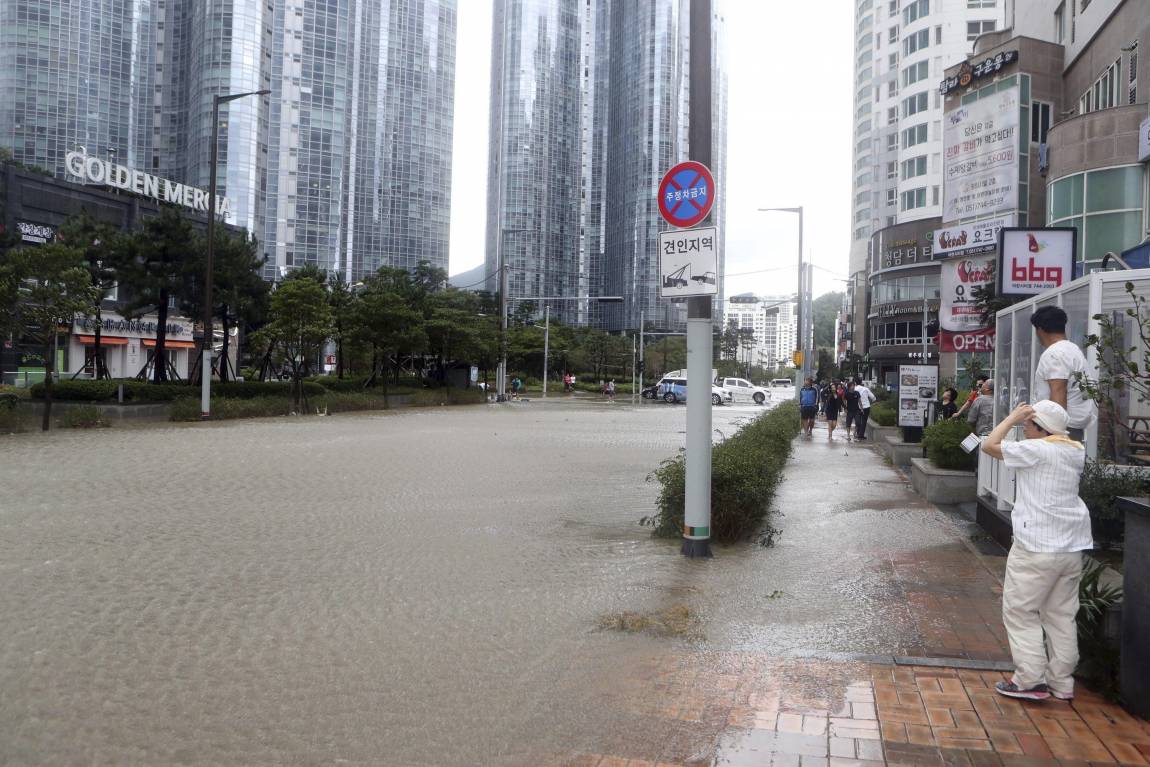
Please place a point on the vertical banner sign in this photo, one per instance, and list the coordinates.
(960, 278)
(980, 157)
(917, 388)
(1036, 260)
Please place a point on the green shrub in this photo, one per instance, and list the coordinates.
(1100, 487)
(143, 391)
(78, 391)
(344, 402)
(254, 389)
(332, 383)
(884, 414)
(941, 440)
(1099, 655)
(83, 417)
(746, 470)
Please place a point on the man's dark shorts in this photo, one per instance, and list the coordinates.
(808, 412)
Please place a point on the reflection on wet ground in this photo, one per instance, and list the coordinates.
(429, 588)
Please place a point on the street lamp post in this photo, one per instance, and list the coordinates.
(206, 359)
(800, 340)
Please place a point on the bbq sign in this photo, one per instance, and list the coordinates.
(1036, 260)
(686, 194)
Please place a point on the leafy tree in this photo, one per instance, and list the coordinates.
(729, 341)
(451, 327)
(384, 319)
(150, 264)
(98, 242)
(826, 308)
(668, 353)
(300, 321)
(427, 278)
(343, 302)
(52, 286)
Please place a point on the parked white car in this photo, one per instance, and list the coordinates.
(742, 390)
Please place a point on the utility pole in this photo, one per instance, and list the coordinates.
(697, 518)
(546, 343)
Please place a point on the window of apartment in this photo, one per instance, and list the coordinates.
(1059, 23)
(1133, 77)
(892, 8)
(890, 220)
(892, 61)
(1039, 121)
(916, 42)
(914, 136)
(934, 195)
(915, 73)
(891, 197)
(891, 171)
(892, 142)
(1104, 93)
(892, 35)
(892, 88)
(915, 10)
(981, 3)
(915, 198)
(892, 116)
(976, 28)
(915, 166)
(912, 105)
(877, 41)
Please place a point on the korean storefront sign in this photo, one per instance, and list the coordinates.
(969, 74)
(980, 157)
(37, 233)
(917, 388)
(961, 281)
(903, 245)
(970, 239)
(1036, 260)
(115, 325)
(96, 171)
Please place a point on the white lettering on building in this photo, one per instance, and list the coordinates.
(97, 171)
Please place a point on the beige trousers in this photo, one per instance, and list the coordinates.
(1040, 596)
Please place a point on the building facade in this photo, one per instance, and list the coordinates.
(770, 324)
(345, 165)
(589, 107)
(901, 50)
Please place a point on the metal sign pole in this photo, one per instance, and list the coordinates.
(697, 512)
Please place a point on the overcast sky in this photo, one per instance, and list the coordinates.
(788, 140)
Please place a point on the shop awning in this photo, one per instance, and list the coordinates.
(104, 340)
(150, 342)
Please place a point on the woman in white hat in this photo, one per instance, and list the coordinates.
(1051, 530)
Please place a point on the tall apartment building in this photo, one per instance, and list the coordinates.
(346, 165)
(772, 321)
(589, 107)
(902, 48)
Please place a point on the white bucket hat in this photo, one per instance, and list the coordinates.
(1050, 416)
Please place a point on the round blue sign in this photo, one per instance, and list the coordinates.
(686, 194)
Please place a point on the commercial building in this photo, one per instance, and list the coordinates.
(346, 165)
(901, 50)
(589, 107)
(1043, 124)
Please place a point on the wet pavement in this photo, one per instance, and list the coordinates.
(427, 587)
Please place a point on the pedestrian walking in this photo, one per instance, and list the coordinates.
(854, 410)
(1051, 530)
(516, 385)
(566, 382)
(1059, 367)
(866, 399)
(609, 390)
(808, 406)
(982, 412)
(831, 406)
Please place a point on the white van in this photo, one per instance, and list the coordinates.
(782, 383)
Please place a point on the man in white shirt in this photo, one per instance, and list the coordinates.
(1051, 530)
(866, 399)
(1056, 377)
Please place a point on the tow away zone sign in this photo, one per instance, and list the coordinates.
(688, 262)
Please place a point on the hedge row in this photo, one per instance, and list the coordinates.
(140, 391)
(884, 414)
(746, 470)
(942, 442)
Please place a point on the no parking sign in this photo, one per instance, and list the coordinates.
(686, 194)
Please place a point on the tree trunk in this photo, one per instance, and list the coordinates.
(339, 350)
(160, 361)
(225, 361)
(49, 368)
(98, 348)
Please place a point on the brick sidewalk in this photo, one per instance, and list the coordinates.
(780, 713)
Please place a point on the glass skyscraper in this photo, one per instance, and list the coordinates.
(346, 165)
(589, 107)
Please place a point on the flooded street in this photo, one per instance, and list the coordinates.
(424, 587)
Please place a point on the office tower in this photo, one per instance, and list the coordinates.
(359, 166)
(578, 149)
